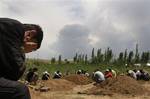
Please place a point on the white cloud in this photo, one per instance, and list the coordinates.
(73, 39)
(115, 23)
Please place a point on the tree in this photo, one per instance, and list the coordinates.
(75, 58)
(53, 60)
(108, 55)
(93, 56)
(145, 57)
(82, 58)
(66, 61)
(99, 56)
(125, 56)
(130, 57)
(59, 59)
(137, 58)
(86, 59)
(120, 59)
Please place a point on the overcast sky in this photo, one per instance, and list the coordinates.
(72, 26)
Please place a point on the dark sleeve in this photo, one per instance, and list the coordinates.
(11, 56)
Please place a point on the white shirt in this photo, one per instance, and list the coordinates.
(100, 75)
(138, 73)
(132, 74)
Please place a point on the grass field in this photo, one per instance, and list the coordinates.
(45, 65)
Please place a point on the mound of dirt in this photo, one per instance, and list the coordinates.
(120, 85)
(58, 84)
(78, 79)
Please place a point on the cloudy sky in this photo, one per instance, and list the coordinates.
(72, 26)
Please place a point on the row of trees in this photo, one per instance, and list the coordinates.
(107, 57)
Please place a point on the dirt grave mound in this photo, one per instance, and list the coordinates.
(59, 84)
(120, 85)
(55, 85)
(78, 79)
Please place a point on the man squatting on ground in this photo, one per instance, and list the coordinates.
(15, 40)
(98, 76)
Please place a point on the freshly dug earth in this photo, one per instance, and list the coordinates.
(60, 84)
(119, 88)
(78, 79)
(57, 84)
(120, 85)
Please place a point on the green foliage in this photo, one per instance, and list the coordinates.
(125, 56)
(130, 57)
(145, 57)
(108, 55)
(59, 59)
(100, 60)
(86, 59)
(53, 60)
(137, 56)
(93, 57)
(120, 59)
(75, 58)
(45, 65)
(99, 56)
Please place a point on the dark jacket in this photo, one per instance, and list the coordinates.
(11, 56)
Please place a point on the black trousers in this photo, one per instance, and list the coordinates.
(13, 90)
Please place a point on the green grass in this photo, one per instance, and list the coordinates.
(44, 65)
